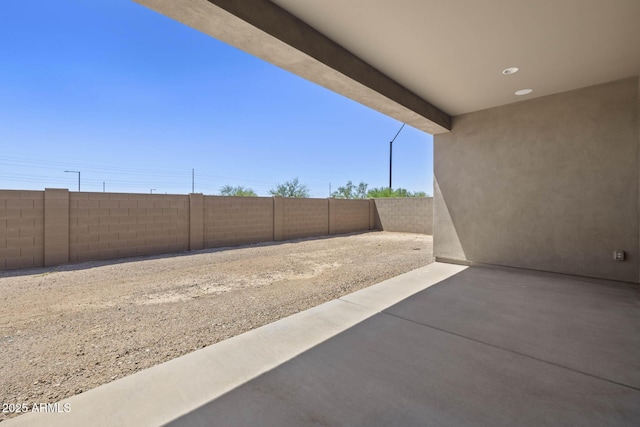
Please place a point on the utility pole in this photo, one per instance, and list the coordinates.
(78, 172)
(103, 186)
(391, 154)
(193, 180)
(152, 190)
(390, 161)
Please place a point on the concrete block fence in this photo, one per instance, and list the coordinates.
(55, 226)
(410, 215)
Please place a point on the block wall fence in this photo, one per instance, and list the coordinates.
(55, 226)
(409, 214)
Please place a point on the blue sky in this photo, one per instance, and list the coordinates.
(136, 100)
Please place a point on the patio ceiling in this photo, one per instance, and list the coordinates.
(452, 53)
(422, 61)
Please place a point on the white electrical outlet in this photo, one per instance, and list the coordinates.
(618, 255)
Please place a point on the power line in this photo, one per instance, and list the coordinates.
(46, 172)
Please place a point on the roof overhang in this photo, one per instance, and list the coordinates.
(265, 30)
(423, 61)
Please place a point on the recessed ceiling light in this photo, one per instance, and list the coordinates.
(523, 92)
(510, 70)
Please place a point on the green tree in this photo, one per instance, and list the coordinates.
(229, 190)
(350, 191)
(293, 188)
(378, 193)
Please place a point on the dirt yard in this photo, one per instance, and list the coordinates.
(73, 328)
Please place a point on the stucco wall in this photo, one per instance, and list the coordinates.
(549, 184)
(409, 214)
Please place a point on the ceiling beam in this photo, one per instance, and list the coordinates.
(267, 31)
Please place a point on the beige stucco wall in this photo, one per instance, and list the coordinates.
(549, 184)
(408, 214)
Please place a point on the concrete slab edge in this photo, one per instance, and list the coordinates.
(167, 391)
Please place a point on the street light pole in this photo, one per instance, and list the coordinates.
(391, 154)
(78, 172)
(390, 161)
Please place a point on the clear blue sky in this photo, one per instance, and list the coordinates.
(136, 100)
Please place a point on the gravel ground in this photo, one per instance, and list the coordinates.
(73, 328)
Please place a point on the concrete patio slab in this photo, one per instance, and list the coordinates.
(388, 371)
(591, 326)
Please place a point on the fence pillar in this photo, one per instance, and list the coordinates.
(196, 222)
(56, 226)
(372, 214)
(278, 218)
(332, 216)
